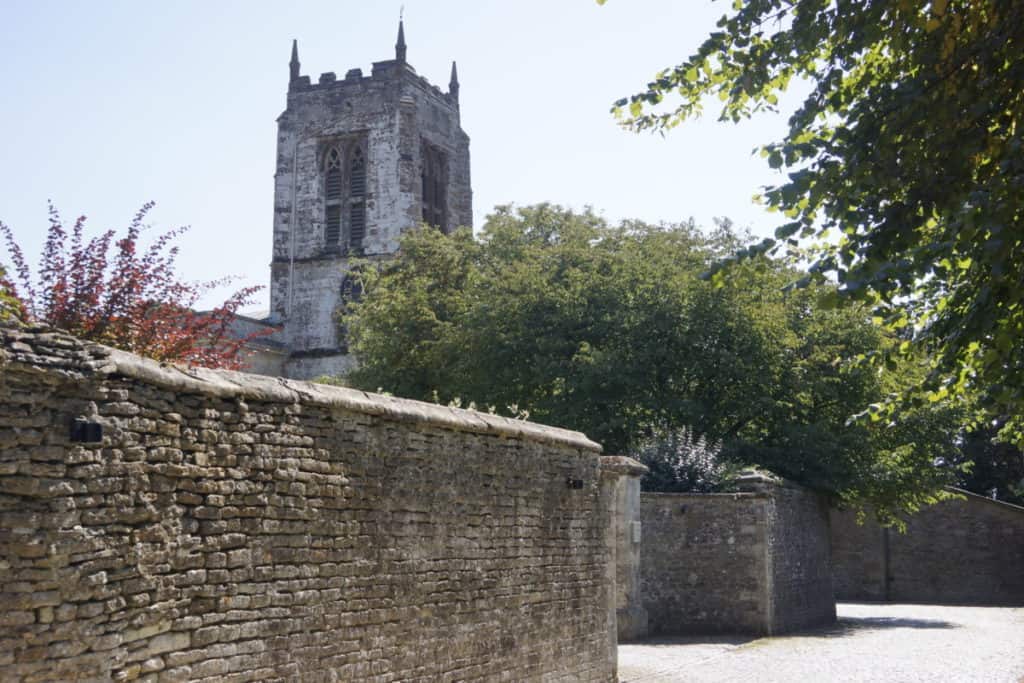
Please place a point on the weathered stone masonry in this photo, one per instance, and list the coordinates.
(239, 528)
(751, 562)
(407, 133)
(967, 551)
(622, 490)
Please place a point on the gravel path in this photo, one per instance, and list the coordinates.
(871, 642)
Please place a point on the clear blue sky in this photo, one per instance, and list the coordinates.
(110, 104)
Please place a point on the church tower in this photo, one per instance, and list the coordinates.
(360, 160)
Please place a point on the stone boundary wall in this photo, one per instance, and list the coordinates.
(966, 551)
(753, 562)
(227, 527)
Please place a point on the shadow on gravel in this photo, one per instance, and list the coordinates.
(850, 625)
(673, 641)
(846, 626)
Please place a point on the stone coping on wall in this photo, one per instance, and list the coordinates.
(40, 345)
(971, 495)
(737, 495)
(622, 465)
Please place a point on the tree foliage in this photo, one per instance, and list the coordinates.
(991, 467)
(608, 329)
(131, 299)
(904, 165)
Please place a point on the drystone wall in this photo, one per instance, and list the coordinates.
(751, 562)
(966, 551)
(159, 524)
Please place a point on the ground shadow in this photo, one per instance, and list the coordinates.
(849, 625)
(845, 626)
(671, 641)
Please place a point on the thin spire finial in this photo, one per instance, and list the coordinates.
(293, 65)
(453, 84)
(400, 45)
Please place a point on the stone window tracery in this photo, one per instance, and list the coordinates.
(357, 199)
(345, 196)
(332, 197)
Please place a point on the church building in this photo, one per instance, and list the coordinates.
(360, 160)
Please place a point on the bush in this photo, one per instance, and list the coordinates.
(682, 461)
(131, 299)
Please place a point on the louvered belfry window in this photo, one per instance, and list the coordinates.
(434, 174)
(332, 197)
(357, 199)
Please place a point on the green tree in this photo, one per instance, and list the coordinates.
(905, 166)
(991, 467)
(610, 330)
(583, 324)
(406, 327)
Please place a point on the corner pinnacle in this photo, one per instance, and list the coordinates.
(294, 63)
(400, 45)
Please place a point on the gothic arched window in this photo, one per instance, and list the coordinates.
(434, 172)
(357, 199)
(332, 197)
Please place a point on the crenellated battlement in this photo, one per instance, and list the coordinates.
(383, 71)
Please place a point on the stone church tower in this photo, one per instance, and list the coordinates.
(360, 160)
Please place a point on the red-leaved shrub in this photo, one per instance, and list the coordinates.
(113, 291)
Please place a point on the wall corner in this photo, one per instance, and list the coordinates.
(620, 477)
